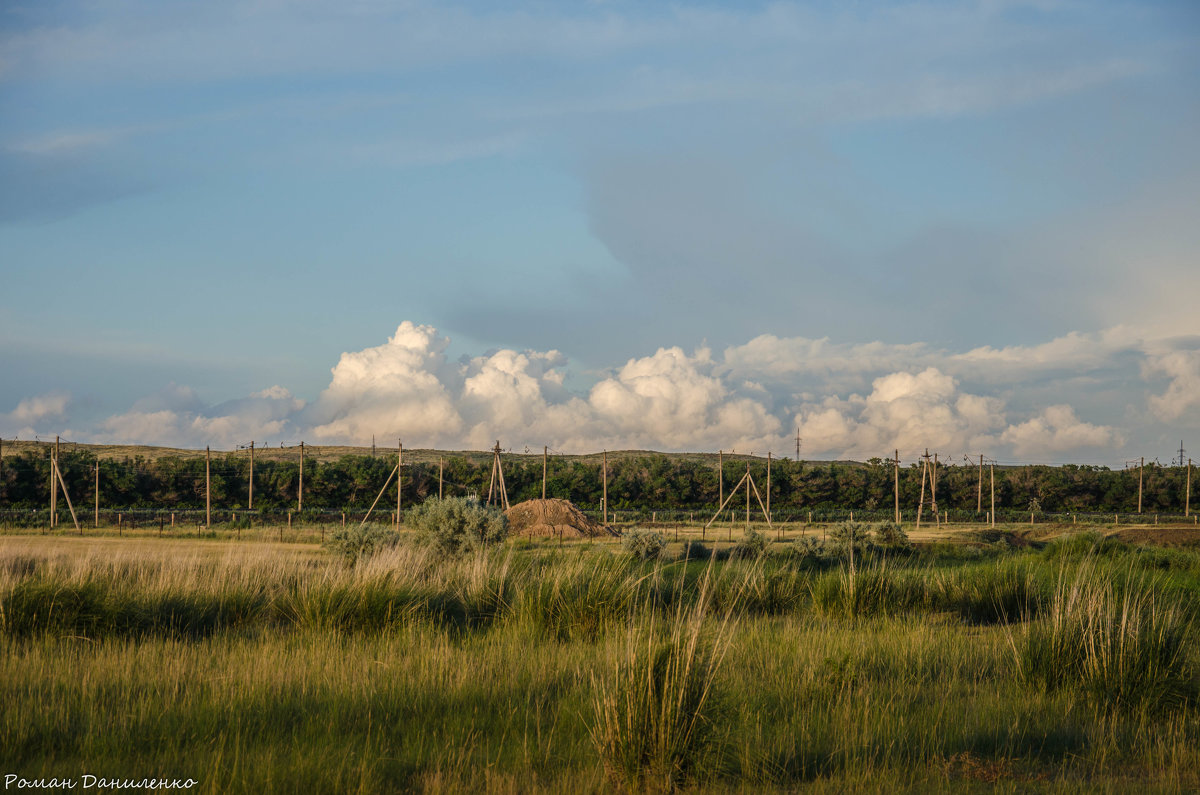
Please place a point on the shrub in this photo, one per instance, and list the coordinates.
(807, 547)
(356, 543)
(752, 545)
(696, 550)
(644, 544)
(890, 537)
(849, 535)
(458, 524)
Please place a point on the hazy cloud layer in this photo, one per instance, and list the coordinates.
(846, 400)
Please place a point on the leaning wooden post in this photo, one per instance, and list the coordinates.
(937, 517)
(207, 487)
(67, 497)
(921, 502)
(399, 477)
(439, 477)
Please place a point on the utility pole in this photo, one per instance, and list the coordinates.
(1141, 467)
(747, 497)
(439, 477)
(992, 474)
(979, 488)
(54, 486)
(797, 445)
(545, 451)
(207, 487)
(768, 484)
(1181, 452)
(300, 488)
(896, 473)
(1187, 500)
(604, 499)
(250, 506)
(96, 516)
(399, 477)
(720, 477)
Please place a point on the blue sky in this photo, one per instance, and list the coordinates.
(604, 224)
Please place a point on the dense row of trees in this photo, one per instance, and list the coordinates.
(640, 483)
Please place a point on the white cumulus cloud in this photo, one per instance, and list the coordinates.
(855, 400)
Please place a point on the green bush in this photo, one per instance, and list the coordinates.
(458, 524)
(356, 543)
(851, 534)
(752, 545)
(890, 537)
(696, 550)
(644, 544)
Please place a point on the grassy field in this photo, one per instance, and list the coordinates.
(981, 662)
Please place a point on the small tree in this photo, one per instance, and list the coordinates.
(458, 524)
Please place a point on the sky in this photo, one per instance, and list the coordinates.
(967, 227)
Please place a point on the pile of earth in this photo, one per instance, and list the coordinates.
(551, 518)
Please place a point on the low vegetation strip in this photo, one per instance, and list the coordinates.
(526, 667)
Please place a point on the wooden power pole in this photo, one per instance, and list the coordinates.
(54, 485)
(207, 487)
(1187, 500)
(720, 477)
(1141, 467)
(439, 477)
(896, 488)
(250, 505)
(545, 451)
(604, 476)
(399, 477)
(96, 517)
(300, 488)
(768, 483)
(992, 475)
(979, 488)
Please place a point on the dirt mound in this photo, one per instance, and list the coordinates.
(553, 518)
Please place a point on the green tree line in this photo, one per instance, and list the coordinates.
(641, 483)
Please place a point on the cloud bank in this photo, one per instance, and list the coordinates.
(844, 400)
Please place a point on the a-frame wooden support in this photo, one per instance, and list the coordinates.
(496, 489)
(748, 481)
